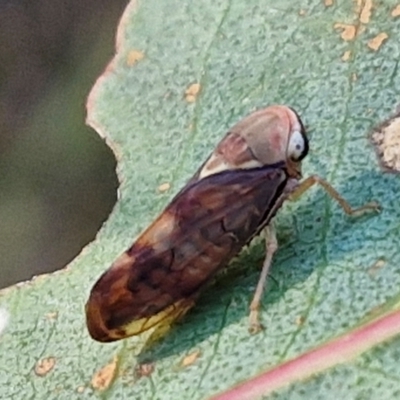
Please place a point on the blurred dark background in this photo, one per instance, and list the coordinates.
(57, 177)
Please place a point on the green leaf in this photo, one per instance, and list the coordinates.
(244, 55)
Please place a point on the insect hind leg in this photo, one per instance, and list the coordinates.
(315, 179)
(271, 245)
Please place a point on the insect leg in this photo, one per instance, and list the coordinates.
(313, 179)
(271, 245)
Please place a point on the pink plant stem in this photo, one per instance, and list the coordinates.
(337, 351)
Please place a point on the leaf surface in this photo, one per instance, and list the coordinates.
(333, 273)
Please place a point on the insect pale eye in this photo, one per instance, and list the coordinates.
(298, 146)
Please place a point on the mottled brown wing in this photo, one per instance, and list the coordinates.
(203, 227)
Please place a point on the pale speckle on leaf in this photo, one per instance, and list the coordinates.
(348, 31)
(44, 366)
(4, 318)
(378, 265)
(396, 11)
(133, 57)
(164, 187)
(346, 55)
(376, 42)
(359, 4)
(366, 12)
(52, 315)
(191, 92)
(103, 378)
(190, 358)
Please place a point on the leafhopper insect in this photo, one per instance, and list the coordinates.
(231, 198)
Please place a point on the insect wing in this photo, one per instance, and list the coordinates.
(203, 227)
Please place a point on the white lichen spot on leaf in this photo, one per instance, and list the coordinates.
(387, 143)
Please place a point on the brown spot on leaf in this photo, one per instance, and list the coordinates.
(396, 11)
(302, 13)
(191, 92)
(44, 366)
(328, 3)
(144, 370)
(133, 57)
(103, 378)
(348, 31)
(190, 358)
(164, 187)
(376, 42)
(386, 139)
(300, 320)
(366, 12)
